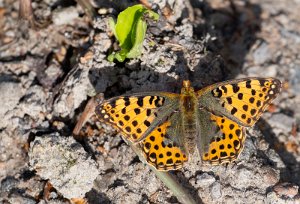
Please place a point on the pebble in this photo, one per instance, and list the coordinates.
(262, 54)
(248, 151)
(204, 180)
(64, 16)
(102, 182)
(282, 122)
(295, 79)
(266, 71)
(10, 94)
(269, 176)
(215, 191)
(286, 189)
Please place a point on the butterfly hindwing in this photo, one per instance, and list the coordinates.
(161, 147)
(241, 100)
(137, 115)
(224, 139)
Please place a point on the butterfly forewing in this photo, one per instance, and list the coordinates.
(241, 100)
(137, 115)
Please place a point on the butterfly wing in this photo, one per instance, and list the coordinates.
(221, 139)
(139, 114)
(228, 107)
(164, 148)
(242, 100)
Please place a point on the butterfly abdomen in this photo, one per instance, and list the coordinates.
(189, 109)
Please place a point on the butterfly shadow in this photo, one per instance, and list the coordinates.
(291, 172)
(233, 29)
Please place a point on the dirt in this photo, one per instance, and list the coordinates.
(52, 63)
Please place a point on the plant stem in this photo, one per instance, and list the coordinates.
(168, 179)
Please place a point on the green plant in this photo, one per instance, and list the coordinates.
(130, 31)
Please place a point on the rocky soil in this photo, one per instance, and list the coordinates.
(51, 65)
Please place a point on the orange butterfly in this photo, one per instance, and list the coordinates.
(171, 126)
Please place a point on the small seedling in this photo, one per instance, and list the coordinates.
(130, 31)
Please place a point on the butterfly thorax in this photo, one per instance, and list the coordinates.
(188, 106)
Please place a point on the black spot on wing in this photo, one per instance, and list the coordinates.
(224, 89)
(262, 82)
(126, 101)
(152, 155)
(137, 111)
(251, 100)
(140, 101)
(233, 110)
(248, 84)
(128, 129)
(170, 161)
(223, 154)
(229, 100)
(216, 93)
(238, 132)
(235, 88)
(240, 96)
(113, 103)
(148, 112)
(134, 123)
(147, 123)
(156, 101)
(159, 101)
(253, 111)
(151, 99)
(147, 145)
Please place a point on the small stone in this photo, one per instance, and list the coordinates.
(64, 16)
(282, 122)
(265, 71)
(270, 176)
(204, 180)
(286, 189)
(102, 11)
(262, 144)
(215, 191)
(295, 79)
(262, 54)
(53, 195)
(103, 181)
(248, 151)
(10, 94)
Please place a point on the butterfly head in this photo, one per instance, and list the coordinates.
(186, 87)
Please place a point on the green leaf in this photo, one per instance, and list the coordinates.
(130, 31)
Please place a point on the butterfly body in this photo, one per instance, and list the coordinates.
(169, 127)
(189, 109)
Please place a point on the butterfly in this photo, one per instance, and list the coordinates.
(170, 127)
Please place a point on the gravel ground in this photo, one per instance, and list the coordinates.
(48, 73)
